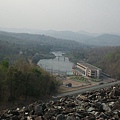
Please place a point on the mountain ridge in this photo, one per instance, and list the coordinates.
(105, 39)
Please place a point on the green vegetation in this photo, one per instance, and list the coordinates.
(76, 55)
(107, 58)
(95, 80)
(13, 46)
(23, 80)
(78, 78)
(19, 78)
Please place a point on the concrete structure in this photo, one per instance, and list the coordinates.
(86, 69)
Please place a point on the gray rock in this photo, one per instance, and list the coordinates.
(90, 109)
(81, 97)
(38, 118)
(77, 118)
(70, 118)
(102, 115)
(95, 105)
(111, 104)
(105, 107)
(60, 117)
(38, 110)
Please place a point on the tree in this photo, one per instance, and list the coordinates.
(3, 70)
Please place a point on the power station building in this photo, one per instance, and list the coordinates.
(86, 69)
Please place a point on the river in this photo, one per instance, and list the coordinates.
(58, 65)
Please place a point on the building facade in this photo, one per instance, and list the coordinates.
(86, 69)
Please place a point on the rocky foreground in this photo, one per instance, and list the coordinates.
(103, 104)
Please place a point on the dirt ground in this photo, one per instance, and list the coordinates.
(79, 85)
(75, 85)
(64, 89)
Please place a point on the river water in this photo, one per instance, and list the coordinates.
(58, 65)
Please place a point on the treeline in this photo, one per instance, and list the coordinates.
(110, 63)
(107, 58)
(24, 80)
(13, 46)
(21, 79)
(13, 51)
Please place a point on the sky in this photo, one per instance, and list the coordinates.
(88, 15)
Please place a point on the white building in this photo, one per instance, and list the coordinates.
(86, 69)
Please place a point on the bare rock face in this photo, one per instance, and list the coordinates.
(103, 104)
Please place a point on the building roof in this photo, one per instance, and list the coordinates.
(79, 70)
(87, 65)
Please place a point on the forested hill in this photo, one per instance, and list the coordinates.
(97, 39)
(25, 38)
(15, 45)
(16, 70)
(105, 40)
(107, 58)
(88, 39)
(102, 39)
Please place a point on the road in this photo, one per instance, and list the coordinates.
(88, 89)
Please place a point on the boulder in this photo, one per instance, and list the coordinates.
(38, 110)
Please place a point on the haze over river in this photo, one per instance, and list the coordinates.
(58, 65)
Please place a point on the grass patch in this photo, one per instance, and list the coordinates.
(95, 80)
(78, 78)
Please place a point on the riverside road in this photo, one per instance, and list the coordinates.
(97, 87)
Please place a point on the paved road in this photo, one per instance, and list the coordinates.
(88, 89)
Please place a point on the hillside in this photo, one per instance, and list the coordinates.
(107, 58)
(105, 40)
(29, 44)
(70, 35)
(102, 104)
(24, 38)
(88, 39)
(96, 39)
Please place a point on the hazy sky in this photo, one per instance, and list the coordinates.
(75, 15)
